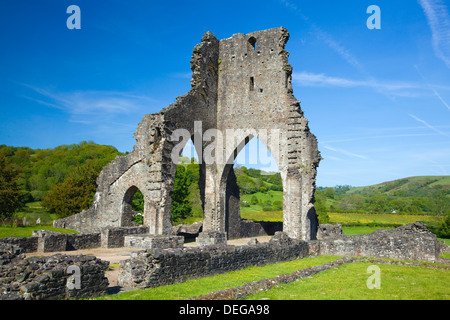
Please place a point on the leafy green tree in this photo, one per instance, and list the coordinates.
(351, 203)
(181, 207)
(42, 169)
(10, 194)
(267, 206)
(440, 203)
(444, 228)
(138, 202)
(278, 205)
(75, 194)
(321, 208)
(254, 200)
(378, 204)
(329, 193)
(247, 184)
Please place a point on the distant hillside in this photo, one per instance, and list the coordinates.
(413, 195)
(42, 169)
(420, 186)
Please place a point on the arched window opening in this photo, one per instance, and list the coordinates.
(187, 206)
(137, 205)
(133, 208)
(252, 189)
(252, 41)
(260, 184)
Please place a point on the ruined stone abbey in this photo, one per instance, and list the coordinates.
(241, 85)
(241, 89)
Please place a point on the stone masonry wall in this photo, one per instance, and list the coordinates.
(412, 241)
(45, 278)
(241, 89)
(152, 268)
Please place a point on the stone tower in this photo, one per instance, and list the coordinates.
(241, 89)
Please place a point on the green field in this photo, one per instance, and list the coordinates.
(346, 218)
(196, 287)
(345, 282)
(380, 219)
(349, 282)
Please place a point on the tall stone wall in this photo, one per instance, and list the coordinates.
(241, 90)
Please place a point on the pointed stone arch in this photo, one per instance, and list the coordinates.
(221, 99)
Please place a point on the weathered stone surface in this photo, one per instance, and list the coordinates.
(188, 230)
(412, 241)
(115, 237)
(211, 238)
(148, 241)
(326, 231)
(45, 278)
(50, 241)
(241, 89)
(151, 268)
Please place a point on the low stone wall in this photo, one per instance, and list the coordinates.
(250, 228)
(50, 241)
(27, 244)
(244, 229)
(46, 278)
(115, 237)
(409, 242)
(148, 241)
(152, 268)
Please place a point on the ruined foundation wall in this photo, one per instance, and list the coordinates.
(45, 278)
(152, 268)
(412, 242)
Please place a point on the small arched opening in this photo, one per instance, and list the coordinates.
(253, 43)
(132, 208)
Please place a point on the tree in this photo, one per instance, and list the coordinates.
(181, 207)
(352, 203)
(320, 207)
(278, 205)
(329, 193)
(138, 202)
(76, 193)
(247, 184)
(254, 200)
(444, 228)
(440, 203)
(10, 193)
(378, 204)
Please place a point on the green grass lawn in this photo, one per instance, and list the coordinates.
(196, 287)
(348, 282)
(381, 219)
(7, 231)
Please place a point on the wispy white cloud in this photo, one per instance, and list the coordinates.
(90, 106)
(432, 88)
(345, 152)
(327, 38)
(429, 125)
(182, 75)
(314, 79)
(392, 88)
(438, 19)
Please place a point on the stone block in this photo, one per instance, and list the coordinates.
(209, 238)
(149, 241)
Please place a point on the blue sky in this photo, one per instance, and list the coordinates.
(377, 100)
